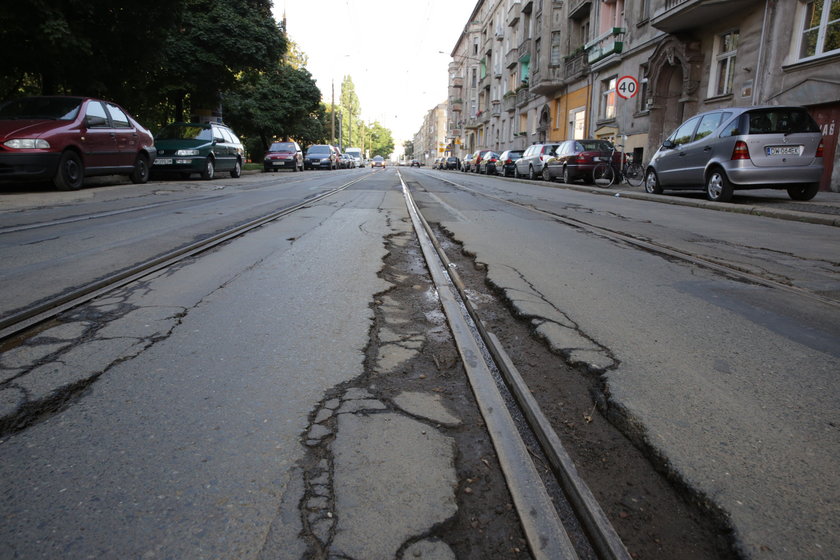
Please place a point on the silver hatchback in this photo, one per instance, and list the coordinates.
(741, 148)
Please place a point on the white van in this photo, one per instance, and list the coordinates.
(356, 153)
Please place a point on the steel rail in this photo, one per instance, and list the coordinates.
(545, 534)
(725, 269)
(16, 323)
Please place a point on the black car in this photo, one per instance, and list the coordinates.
(320, 156)
(415, 163)
(453, 163)
(506, 164)
(487, 164)
(283, 155)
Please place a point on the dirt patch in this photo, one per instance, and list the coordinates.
(655, 517)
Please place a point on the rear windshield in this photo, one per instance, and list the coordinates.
(784, 120)
(47, 108)
(593, 146)
(184, 132)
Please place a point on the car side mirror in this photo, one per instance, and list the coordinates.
(668, 145)
(92, 121)
(218, 140)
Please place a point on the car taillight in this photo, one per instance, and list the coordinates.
(820, 149)
(740, 151)
(582, 158)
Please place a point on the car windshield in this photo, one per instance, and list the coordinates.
(778, 121)
(50, 108)
(319, 150)
(593, 146)
(184, 132)
(282, 147)
(514, 155)
(378, 158)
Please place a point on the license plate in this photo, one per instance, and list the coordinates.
(277, 163)
(163, 161)
(783, 150)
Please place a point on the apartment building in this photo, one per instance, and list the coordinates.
(526, 71)
(430, 141)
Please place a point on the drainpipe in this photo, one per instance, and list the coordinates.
(760, 63)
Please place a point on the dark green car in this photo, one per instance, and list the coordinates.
(205, 148)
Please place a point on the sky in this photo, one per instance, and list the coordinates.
(390, 48)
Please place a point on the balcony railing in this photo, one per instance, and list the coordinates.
(524, 48)
(509, 102)
(611, 42)
(575, 66)
(683, 15)
(457, 82)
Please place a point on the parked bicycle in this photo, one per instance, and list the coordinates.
(605, 174)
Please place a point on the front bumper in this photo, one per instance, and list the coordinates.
(193, 164)
(28, 166)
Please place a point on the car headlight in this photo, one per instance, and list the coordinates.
(186, 153)
(27, 144)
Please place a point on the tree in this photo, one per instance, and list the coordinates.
(380, 140)
(408, 146)
(277, 104)
(351, 110)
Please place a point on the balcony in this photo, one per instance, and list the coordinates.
(611, 42)
(523, 96)
(513, 13)
(579, 9)
(457, 82)
(684, 15)
(496, 109)
(548, 80)
(511, 58)
(472, 123)
(509, 102)
(524, 48)
(575, 66)
(456, 106)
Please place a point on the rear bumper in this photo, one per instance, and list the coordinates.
(772, 177)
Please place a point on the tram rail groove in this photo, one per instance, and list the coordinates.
(16, 323)
(658, 248)
(603, 536)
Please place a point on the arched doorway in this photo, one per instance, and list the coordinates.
(673, 78)
(544, 124)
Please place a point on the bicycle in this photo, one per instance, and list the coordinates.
(604, 174)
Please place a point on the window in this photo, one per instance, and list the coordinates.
(95, 116)
(683, 134)
(118, 117)
(820, 28)
(577, 123)
(608, 98)
(643, 89)
(708, 124)
(726, 45)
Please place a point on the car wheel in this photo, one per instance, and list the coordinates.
(652, 185)
(209, 170)
(805, 191)
(718, 187)
(71, 172)
(546, 175)
(236, 172)
(567, 178)
(140, 173)
(531, 174)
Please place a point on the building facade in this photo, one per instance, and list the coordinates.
(430, 140)
(527, 71)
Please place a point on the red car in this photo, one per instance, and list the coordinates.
(65, 139)
(283, 155)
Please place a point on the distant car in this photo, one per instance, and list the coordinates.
(356, 154)
(283, 155)
(531, 163)
(203, 148)
(471, 162)
(765, 147)
(65, 139)
(320, 156)
(575, 159)
(506, 163)
(487, 165)
(453, 162)
(415, 163)
(347, 162)
(377, 161)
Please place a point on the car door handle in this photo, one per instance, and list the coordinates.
(707, 149)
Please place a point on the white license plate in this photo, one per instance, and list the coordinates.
(163, 161)
(783, 150)
(277, 163)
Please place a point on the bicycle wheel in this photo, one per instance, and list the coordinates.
(634, 174)
(603, 175)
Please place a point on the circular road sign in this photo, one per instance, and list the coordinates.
(627, 87)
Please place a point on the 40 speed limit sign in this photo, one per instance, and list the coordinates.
(627, 87)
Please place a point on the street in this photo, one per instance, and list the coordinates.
(295, 392)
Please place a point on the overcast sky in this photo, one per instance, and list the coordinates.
(390, 48)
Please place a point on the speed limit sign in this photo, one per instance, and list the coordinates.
(627, 87)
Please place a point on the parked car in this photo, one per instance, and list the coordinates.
(65, 139)
(766, 147)
(356, 154)
(377, 161)
(487, 165)
(531, 163)
(320, 156)
(283, 155)
(506, 163)
(575, 159)
(347, 162)
(471, 162)
(415, 163)
(453, 162)
(204, 148)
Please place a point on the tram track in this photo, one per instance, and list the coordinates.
(548, 537)
(24, 319)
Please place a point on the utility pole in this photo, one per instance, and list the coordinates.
(332, 135)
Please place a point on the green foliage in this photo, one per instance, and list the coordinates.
(408, 146)
(380, 140)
